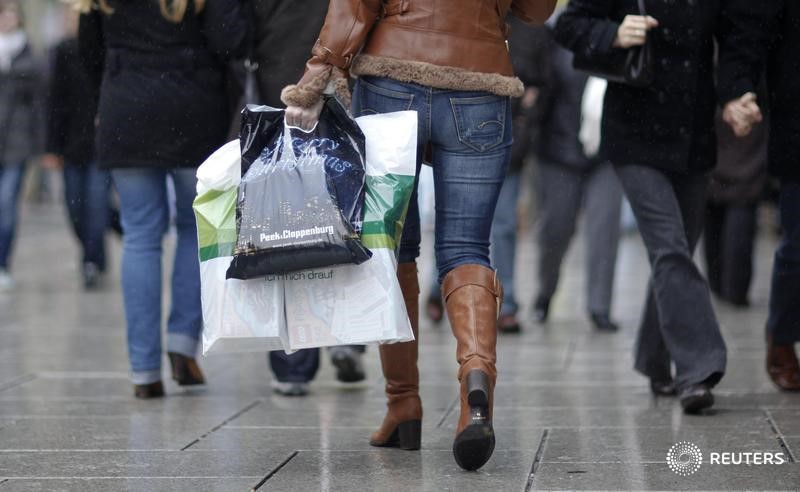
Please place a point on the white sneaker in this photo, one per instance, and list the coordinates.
(290, 389)
(6, 282)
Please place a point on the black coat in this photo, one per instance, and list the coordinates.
(669, 125)
(71, 107)
(163, 100)
(21, 126)
(784, 90)
(285, 32)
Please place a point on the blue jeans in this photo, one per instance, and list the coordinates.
(470, 138)
(504, 240)
(784, 299)
(86, 192)
(10, 186)
(144, 209)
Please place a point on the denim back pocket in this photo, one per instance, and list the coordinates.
(480, 121)
(372, 98)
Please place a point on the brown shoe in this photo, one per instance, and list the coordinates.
(402, 426)
(473, 296)
(147, 391)
(783, 367)
(185, 370)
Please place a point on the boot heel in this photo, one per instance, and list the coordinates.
(477, 388)
(410, 435)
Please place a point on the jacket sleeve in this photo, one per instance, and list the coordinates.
(56, 99)
(91, 46)
(225, 28)
(586, 29)
(743, 34)
(533, 11)
(346, 27)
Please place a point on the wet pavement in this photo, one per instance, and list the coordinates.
(570, 412)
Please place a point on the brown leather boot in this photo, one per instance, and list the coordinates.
(402, 426)
(473, 296)
(782, 366)
(185, 370)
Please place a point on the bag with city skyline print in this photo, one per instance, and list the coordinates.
(300, 200)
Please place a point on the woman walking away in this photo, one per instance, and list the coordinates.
(20, 137)
(449, 63)
(660, 139)
(163, 109)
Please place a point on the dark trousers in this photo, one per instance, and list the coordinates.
(783, 323)
(678, 324)
(86, 190)
(729, 240)
(301, 366)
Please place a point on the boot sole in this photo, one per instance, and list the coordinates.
(474, 446)
(406, 436)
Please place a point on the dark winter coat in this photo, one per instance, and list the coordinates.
(669, 125)
(784, 91)
(285, 32)
(163, 101)
(561, 122)
(71, 107)
(20, 109)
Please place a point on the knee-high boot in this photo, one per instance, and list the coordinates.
(473, 295)
(402, 426)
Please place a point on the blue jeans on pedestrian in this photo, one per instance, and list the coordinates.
(784, 299)
(470, 137)
(504, 241)
(86, 190)
(145, 214)
(10, 185)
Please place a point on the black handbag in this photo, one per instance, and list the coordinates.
(633, 67)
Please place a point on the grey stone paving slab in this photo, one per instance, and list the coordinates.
(390, 469)
(657, 476)
(635, 445)
(132, 432)
(125, 464)
(787, 421)
(227, 484)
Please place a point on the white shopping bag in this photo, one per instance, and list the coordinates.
(363, 304)
(238, 315)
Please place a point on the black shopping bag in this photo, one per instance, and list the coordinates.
(301, 197)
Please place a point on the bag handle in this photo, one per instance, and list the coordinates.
(642, 8)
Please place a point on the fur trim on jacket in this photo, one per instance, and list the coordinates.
(440, 77)
(332, 81)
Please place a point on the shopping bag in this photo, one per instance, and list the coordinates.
(301, 196)
(238, 315)
(363, 304)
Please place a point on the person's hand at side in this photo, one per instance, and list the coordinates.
(742, 113)
(52, 162)
(633, 31)
(304, 118)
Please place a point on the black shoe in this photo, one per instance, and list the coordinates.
(147, 391)
(348, 366)
(663, 388)
(185, 370)
(602, 322)
(695, 398)
(91, 276)
(541, 309)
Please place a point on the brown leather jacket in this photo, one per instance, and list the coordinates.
(450, 44)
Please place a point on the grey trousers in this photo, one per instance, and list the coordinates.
(678, 324)
(562, 192)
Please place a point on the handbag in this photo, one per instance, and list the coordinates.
(633, 67)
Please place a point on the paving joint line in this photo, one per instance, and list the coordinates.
(275, 471)
(779, 436)
(218, 427)
(569, 355)
(448, 412)
(537, 460)
(27, 378)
